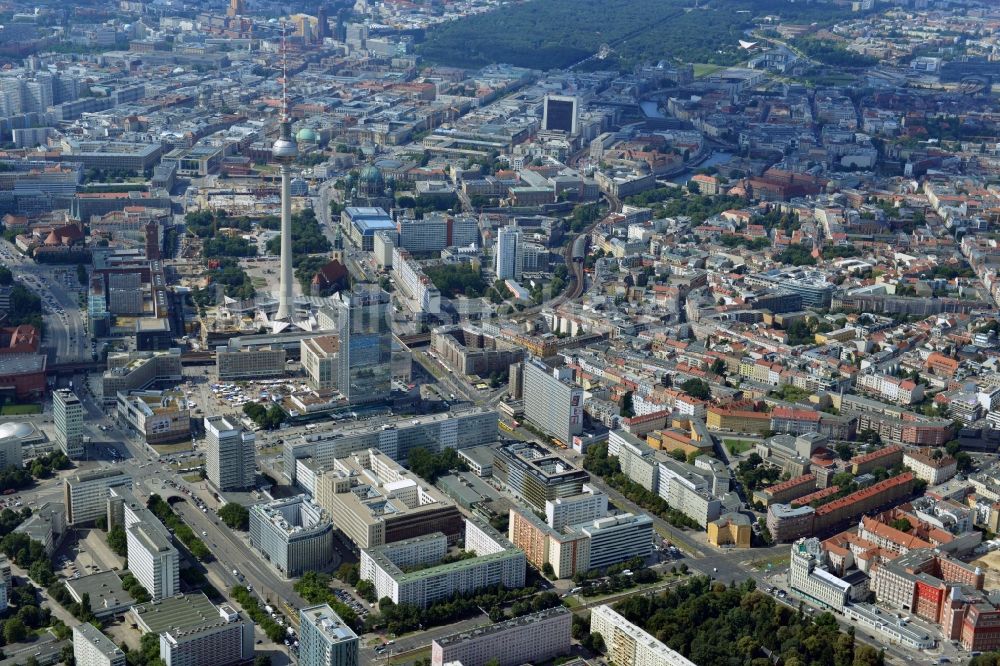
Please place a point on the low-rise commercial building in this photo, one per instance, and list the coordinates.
(157, 417)
(529, 639)
(135, 371)
(730, 529)
(294, 534)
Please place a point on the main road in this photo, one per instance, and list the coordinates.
(58, 287)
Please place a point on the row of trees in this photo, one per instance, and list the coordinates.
(401, 618)
(185, 534)
(598, 462)
(315, 588)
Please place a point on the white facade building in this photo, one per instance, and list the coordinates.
(628, 645)
(509, 255)
(230, 461)
(93, 648)
(153, 560)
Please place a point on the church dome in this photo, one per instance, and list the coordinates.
(371, 175)
(307, 134)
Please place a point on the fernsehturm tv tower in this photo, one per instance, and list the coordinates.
(284, 151)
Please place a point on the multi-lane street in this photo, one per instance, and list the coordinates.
(59, 288)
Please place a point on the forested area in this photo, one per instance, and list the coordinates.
(715, 625)
(547, 34)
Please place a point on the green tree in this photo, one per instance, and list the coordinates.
(548, 571)
(6, 276)
(117, 540)
(14, 630)
(236, 516)
(697, 388)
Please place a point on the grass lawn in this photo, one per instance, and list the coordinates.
(771, 563)
(704, 69)
(20, 410)
(169, 449)
(411, 657)
(193, 478)
(738, 446)
(258, 282)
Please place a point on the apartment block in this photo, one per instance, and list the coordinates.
(529, 639)
(86, 494)
(93, 648)
(891, 389)
(230, 461)
(153, 560)
(552, 402)
(67, 416)
(886, 458)
(568, 552)
(588, 505)
(930, 466)
(736, 420)
(324, 639)
(628, 645)
(497, 562)
(436, 432)
(786, 491)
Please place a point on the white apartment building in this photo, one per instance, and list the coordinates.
(497, 562)
(529, 639)
(416, 287)
(325, 640)
(67, 415)
(588, 505)
(509, 254)
(926, 466)
(93, 648)
(628, 645)
(688, 491)
(85, 494)
(618, 538)
(219, 641)
(153, 560)
(891, 389)
(230, 461)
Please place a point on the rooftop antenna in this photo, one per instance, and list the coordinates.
(284, 73)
